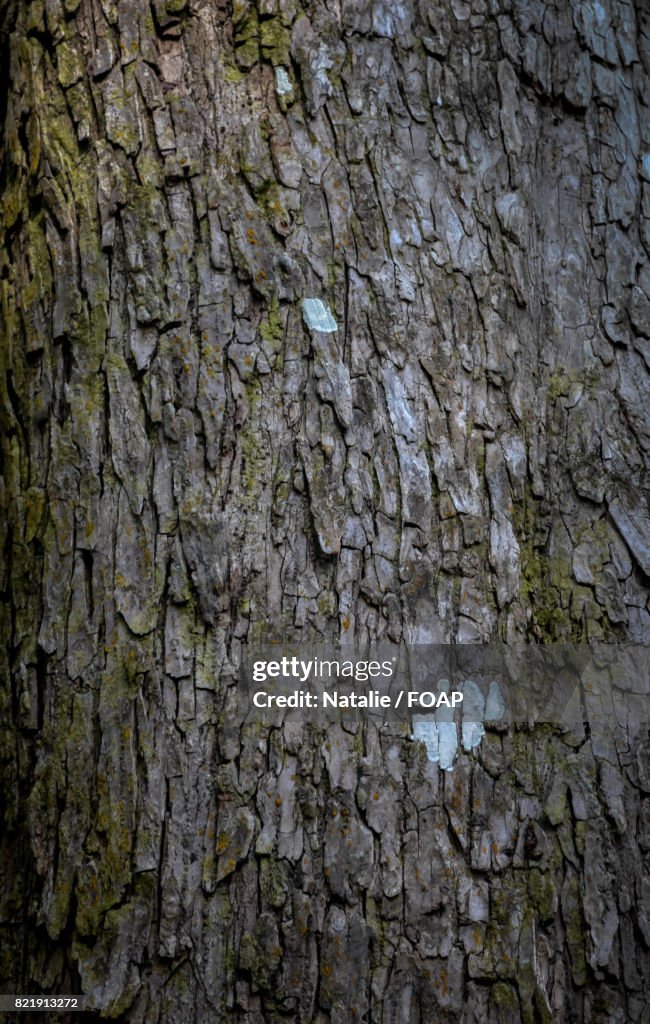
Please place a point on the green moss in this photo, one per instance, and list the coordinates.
(503, 995)
(34, 508)
(543, 893)
(480, 458)
(275, 41)
(58, 131)
(270, 199)
(562, 380)
(70, 67)
(38, 255)
(574, 929)
(558, 385)
(233, 75)
(35, 18)
(546, 583)
(247, 36)
(255, 458)
(327, 604)
(271, 328)
(272, 883)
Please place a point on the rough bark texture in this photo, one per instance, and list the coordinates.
(187, 466)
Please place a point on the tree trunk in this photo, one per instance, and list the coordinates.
(191, 463)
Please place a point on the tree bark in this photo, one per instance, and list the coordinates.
(189, 465)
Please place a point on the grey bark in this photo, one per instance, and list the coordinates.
(188, 467)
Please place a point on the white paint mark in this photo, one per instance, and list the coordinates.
(426, 730)
(440, 736)
(318, 316)
(447, 744)
(283, 84)
(473, 701)
(494, 706)
(473, 711)
(473, 733)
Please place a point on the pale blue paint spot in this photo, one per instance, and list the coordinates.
(473, 711)
(426, 730)
(473, 733)
(318, 316)
(283, 84)
(447, 744)
(473, 702)
(494, 706)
